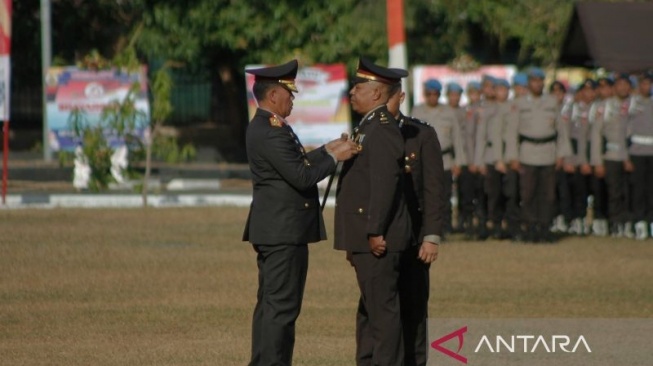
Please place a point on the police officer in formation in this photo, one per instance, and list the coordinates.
(574, 185)
(609, 151)
(563, 154)
(641, 156)
(443, 118)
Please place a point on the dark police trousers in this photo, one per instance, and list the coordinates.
(414, 298)
(379, 340)
(642, 197)
(281, 279)
(537, 190)
(616, 181)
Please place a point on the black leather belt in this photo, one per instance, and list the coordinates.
(540, 140)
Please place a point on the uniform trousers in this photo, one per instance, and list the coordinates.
(573, 190)
(495, 197)
(379, 333)
(600, 194)
(414, 298)
(281, 279)
(511, 191)
(537, 190)
(642, 197)
(466, 195)
(616, 181)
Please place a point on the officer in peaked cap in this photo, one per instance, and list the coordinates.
(283, 75)
(372, 223)
(285, 213)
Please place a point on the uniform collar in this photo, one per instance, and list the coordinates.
(372, 111)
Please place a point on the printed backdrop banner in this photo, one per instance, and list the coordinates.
(321, 108)
(446, 74)
(69, 89)
(5, 51)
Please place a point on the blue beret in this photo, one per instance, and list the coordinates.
(520, 78)
(453, 87)
(536, 72)
(473, 85)
(623, 76)
(502, 82)
(489, 78)
(588, 83)
(647, 75)
(432, 85)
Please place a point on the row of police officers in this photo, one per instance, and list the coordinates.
(526, 167)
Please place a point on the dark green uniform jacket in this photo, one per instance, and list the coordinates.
(285, 208)
(424, 178)
(370, 194)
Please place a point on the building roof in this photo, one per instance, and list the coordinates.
(615, 36)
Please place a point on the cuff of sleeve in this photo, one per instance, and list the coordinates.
(433, 238)
(330, 154)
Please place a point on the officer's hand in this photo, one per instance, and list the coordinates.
(585, 169)
(342, 150)
(377, 245)
(628, 166)
(455, 171)
(599, 171)
(428, 252)
(569, 168)
(558, 163)
(515, 165)
(500, 166)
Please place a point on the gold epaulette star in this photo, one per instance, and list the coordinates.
(275, 121)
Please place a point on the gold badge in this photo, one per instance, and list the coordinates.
(275, 122)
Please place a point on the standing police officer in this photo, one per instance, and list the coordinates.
(542, 144)
(641, 154)
(285, 213)
(609, 152)
(444, 120)
(424, 190)
(372, 222)
(491, 155)
(577, 166)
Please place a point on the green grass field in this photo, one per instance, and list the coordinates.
(177, 287)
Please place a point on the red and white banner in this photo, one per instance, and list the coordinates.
(5, 52)
(321, 108)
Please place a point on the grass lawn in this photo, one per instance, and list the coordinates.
(177, 287)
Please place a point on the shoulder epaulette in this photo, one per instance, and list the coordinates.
(275, 121)
(418, 121)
